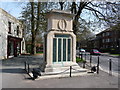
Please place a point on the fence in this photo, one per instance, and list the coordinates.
(27, 67)
(89, 62)
(68, 71)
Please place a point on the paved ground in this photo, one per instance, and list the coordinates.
(104, 63)
(13, 76)
(104, 60)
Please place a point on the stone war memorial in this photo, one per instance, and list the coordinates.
(59, 42)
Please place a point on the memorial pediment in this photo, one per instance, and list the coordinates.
(61, 21)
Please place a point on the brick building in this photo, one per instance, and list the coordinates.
(108, 40)
(12, 42)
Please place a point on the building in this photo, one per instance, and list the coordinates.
(12, 42)
(108, 40)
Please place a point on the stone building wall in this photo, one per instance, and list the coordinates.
(4, 19)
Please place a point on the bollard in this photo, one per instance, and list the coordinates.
(84, 64)
(110, 67)
(25, 64)
(98, 66)
(81, 55)
(70, 70)
(85, 56)
(28, 68)
(90, 60)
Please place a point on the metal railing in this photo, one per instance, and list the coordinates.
(90, 65)
(90, 61)
(67, 71)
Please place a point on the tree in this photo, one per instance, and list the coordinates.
(104, 12)
(34, 19)
(33, 48)
(61, 5)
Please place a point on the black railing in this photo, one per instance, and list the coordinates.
(89, 62)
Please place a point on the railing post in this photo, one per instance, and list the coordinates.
(70, 70)
(84, 64)
(85, 56)
(98, 66)
(90, 60)
(110, 67)
(81, 55)
(28, 68)
(25, 64)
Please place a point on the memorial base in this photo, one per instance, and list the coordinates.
(63, 68)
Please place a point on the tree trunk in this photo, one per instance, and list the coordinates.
(33, 47)
(61, 5)
(38, 18)
(74, 11)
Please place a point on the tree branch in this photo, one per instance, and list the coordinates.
(96, 11)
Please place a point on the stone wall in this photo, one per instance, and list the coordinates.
(4, 19)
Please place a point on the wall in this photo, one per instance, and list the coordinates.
(4, 19)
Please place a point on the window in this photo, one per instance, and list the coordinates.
(17, 30)
(22, 45)
(11, 48)
(108, 40)
(62, 48)
(106, 46)
(115, 39)
(103, 34)
(107, 34)
(103, 40)
(9, 27)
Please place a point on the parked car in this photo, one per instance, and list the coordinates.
(82, 50)
(95, 52)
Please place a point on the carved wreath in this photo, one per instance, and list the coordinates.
(62, 24)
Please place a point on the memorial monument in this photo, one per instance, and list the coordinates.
(59, 42)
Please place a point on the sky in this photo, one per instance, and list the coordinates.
(15, 9)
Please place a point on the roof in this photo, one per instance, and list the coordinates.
(2, 11)
(114, 27)
(61, 12)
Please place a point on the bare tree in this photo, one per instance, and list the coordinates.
(33, 48)
(106, 12)
(61, 2)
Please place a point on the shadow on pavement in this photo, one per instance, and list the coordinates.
(19, 61)
(13, 70)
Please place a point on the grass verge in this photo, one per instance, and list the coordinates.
(39, 52)
(116, 54)
(79, 59)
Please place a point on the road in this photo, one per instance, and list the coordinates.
(104, 62)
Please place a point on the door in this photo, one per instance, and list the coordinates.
(62, 48)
